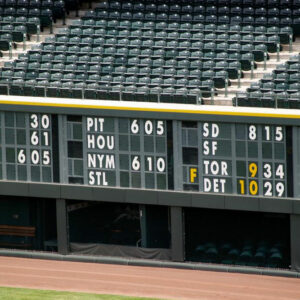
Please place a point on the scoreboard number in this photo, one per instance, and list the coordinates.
(268, 188)
(280, 188)
(148, 127)
(278, 133)
(252, 132)
(279, 171)
(45, 121)
(21, 156)
(34, 121)
(267, 171)
(46, 157)
(253, 185)
(46, 138)
(135, 164)
(37, 155)
(135, 127)
(268, 185)
(253, 169)
(34, 139)
(124, 151)
(160, 164)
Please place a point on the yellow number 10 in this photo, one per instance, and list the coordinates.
(253, 169)
(253, 187)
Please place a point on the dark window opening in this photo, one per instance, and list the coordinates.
(237, 238)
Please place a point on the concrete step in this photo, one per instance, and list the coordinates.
(283, 55)
(271, 65)
(242, 84)
(217, 101)
(256, 75)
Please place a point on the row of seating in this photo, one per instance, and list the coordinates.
(94, 90)
(288, 66)
(222, 2)
(31, 3)
(194, 6)
(181, 77)
(281, 78)
(191, 47)
(211, 18)
(171, 34)
(268, 99)
(143, 56)
(46, 10)
(11, 7)
(177, 30)
(172, 67)
(182, 68)
(289, 86)
(32, 24)
(101, 54)
(16, 7)
(208, 10)
(204, 83)
(261, 255)
(147, 57)
(62, 61)
(45, 15)
(184, 48)
(180, 27)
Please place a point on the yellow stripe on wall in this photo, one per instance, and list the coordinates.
(146, 109)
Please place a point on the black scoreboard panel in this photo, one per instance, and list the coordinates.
(245, 159)
(120, 152)
(95, 150)
(27, 147)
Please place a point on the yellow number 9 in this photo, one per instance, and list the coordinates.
(253, 169)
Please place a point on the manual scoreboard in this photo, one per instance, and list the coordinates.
(27, 147)
(118, 152)
(246, 159)
(150, 153)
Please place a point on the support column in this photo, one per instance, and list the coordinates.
(295, 242)
(143, 223)
(62, 227)
(177, 237)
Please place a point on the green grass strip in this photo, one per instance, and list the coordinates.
(30, 294)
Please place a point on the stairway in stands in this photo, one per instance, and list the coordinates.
(258, 74)
(35, 40)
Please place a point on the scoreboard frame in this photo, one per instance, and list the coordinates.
(149, 112)
(177, 199)
(156, 111)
